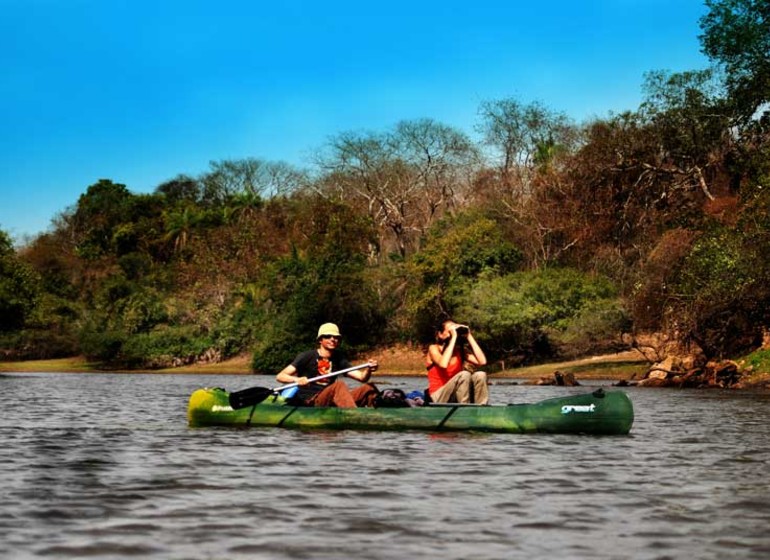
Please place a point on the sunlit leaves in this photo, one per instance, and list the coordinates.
(736, 33)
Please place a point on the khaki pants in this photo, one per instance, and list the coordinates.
(465, 387)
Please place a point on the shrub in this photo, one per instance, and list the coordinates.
(532, 315)
(163, 347)
(101, 345)
(596, 328)
(456, 250)
(721, 293)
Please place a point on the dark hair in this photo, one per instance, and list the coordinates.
(461, 331)
(459, 344)
(440, 326)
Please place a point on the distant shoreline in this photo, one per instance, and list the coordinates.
(393, 362)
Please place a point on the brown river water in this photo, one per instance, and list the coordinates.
(104, 466)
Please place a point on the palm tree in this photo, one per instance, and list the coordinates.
(179, 224)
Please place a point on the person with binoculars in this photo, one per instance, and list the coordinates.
(448, 377)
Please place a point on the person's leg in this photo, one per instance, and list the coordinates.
(337, 394)
(456, 389)
(480, 387)
(365, 395)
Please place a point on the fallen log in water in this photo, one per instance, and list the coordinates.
(714, 374)
(557, 378)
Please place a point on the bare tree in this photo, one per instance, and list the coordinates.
(402, 179)
(250, 177)
(522, 136)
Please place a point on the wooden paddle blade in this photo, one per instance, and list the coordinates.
(249, 397)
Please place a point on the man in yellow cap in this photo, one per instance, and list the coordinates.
(325, 359)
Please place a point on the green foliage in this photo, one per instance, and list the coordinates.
(141, 311)
(529, 314)
(302, 292)
(688, 114)
(722, 292)
(46, 326)
(597, 327)
(135, 265)
(99, 345)
(326, 282)
(19, 287)
(254, 255)
(103, 207)
(736, 34)
(121, 311)
(274, 348)
(759, 360)
(163, 347)
(6, 245)
(182, 189)
(716, 267)
(36, 344)
(456, 249)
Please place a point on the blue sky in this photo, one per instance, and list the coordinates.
(139, 91)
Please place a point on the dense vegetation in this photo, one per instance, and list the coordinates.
(551, 238)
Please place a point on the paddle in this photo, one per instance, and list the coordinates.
(255, 395)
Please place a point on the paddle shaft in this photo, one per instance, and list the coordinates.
(255, 395)
(332, 374)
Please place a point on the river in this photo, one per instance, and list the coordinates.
(104, 466)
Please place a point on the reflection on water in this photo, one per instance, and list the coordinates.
(104, 466)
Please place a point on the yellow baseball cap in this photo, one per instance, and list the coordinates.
(328, 329)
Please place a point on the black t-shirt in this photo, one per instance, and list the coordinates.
(310, 364)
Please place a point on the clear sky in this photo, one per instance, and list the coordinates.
(139, 91)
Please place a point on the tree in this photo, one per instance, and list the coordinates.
(526, 315)
(180, 189)
(19, 287)
(691, 121)
(457, 250)
(736, 33)
(403, 179)
(530, 145)
(322, 278)
(523, 136)
(179, 224)
(252, 177)
(444, 160)
(99, 211)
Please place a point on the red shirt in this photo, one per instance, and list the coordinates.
(438, 377)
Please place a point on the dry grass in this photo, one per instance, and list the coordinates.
(397, 360)
(239, 364)
(64, 365)
(401, 359)
(78, 364)
(624, 365)
(410, 360)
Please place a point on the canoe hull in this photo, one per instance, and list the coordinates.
(600, 412)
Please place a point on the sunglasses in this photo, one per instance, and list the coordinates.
(328, 336)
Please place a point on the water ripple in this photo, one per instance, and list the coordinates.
(91, 467)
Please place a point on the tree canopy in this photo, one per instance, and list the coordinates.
(552, 237)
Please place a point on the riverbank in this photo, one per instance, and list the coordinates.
(395, 361)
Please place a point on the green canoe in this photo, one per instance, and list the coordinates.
(599, 412)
